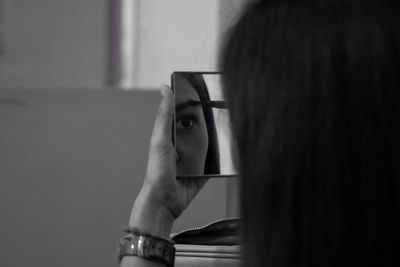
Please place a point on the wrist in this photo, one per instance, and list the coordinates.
(150, 216)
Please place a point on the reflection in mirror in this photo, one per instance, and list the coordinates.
(203, 140)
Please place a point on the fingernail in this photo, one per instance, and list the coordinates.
(163, 89)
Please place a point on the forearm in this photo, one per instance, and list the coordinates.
(151, 218)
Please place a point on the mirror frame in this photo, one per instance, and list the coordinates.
(174, 128)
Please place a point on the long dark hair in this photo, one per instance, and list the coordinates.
(212, 164)
(314, 93)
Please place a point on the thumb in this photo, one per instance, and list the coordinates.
(162, 130)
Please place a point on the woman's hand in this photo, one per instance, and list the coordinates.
(162, 197)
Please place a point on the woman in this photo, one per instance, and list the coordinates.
(318, 131)
(314, 93)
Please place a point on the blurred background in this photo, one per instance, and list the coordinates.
(78, 95)
(99, 43)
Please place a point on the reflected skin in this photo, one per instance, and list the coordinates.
(191, 131)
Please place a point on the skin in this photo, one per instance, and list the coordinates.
(191, 131)
(162, 197)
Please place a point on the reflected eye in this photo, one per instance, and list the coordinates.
(186, 121)
(185, 124)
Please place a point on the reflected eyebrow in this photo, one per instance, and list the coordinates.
(187, 104)
(210, 104)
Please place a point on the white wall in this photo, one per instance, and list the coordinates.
(176, 35)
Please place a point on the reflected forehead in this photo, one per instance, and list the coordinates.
(184, 91)
(189, 103)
